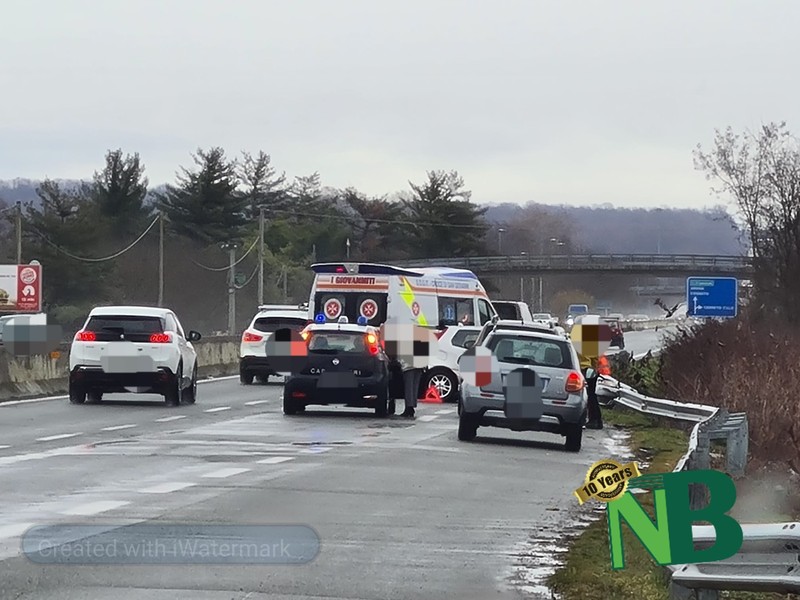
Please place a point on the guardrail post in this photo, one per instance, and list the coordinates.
(738, 442)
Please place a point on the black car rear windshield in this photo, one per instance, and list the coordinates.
(273, 324)
(528, 350)
(509, 312)
(133, 328)
(330, 342)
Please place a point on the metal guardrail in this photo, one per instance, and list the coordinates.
(608, 262)
(769, 559)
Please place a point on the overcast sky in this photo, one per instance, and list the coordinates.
(573, 102)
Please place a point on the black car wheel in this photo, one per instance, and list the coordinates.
(574, 437)
(173, 395)
(190, 393)
(467, 427)
(382, 403)
(77, 395)
(95, 397)
(245, 378)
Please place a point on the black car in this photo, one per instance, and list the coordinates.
(345, 365)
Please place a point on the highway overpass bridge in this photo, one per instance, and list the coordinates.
(658, 265)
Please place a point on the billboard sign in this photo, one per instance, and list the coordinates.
(20, 288)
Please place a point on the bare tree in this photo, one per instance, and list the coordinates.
(761, 173)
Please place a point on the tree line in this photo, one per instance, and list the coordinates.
(760, 172)
(99, 242)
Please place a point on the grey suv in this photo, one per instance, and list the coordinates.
(562, 407)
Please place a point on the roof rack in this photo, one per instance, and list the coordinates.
(303, 306)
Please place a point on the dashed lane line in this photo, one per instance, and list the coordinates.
(427, 418)
(218, 409)
(168, 419)
(223, 473)
(256, 402)
(166, 488)
(93, 508)
(118, 427)
(274, 460)
(60, 436)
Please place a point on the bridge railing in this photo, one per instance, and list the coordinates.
(586, 261)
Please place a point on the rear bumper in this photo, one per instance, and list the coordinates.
(304, 390)
(555, 417)
(257, 365)
(94, 379)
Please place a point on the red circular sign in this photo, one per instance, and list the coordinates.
(415, 309)
(369, 309)
(333, 308)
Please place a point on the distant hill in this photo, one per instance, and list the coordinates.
(640, 231)
(602, 229)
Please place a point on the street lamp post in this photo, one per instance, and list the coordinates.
(500, 233)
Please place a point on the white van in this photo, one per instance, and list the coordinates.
(434, 297)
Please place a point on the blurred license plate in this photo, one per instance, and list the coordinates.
(545, 382)
(333, 379)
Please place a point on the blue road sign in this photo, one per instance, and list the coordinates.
(712, 296)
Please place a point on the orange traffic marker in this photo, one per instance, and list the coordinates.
(432, 396)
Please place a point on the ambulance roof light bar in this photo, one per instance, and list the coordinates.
(362, 269)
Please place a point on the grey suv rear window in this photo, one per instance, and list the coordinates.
(508, 312)
(334, 342)
(530, 350)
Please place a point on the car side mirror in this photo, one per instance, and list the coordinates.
(590, 373)
(194, 336)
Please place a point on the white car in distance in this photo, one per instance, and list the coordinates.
(133, 349)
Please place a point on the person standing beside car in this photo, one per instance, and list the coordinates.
(595, 417)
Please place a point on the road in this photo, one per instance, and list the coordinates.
(402, 508)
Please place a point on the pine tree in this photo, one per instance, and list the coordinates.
(263, 186)
(206, 206)
(119, 192)
(447, 223)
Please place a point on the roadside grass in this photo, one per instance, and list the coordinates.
(586, 573)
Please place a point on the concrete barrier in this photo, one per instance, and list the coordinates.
(30, 376)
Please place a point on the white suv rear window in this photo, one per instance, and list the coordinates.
(134, 328)
(273, 324)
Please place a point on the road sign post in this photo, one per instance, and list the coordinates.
(712, 297)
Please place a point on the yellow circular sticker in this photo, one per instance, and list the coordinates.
(606, 481)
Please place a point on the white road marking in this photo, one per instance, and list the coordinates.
(61, 436)
(218, 409)
(274, 460)
(315, 451)
(446, 411)
(48, 398)
(4, 447)
(63, 451)
(256, 402)
(222, 473)
(427, 418)
(93, 508)
(118, 427)
(165, 488)
(10, 531)
(168, 419)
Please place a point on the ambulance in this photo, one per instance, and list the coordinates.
(433, 297)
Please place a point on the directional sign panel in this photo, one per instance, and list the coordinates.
(712, 296)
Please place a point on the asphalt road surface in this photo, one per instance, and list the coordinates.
(402, 509)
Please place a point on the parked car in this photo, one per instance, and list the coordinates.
(133, 349)
(617, 335)
(346, 365)
(443, 373)
(513, 310)
(253, 359)
(562, 408)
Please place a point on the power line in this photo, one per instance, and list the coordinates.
(226, 268)
(105, 258)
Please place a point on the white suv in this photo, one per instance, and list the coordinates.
(253, 359)
(443, 372)
(134, 349)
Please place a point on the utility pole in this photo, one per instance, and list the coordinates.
(231, 248)
(522, 289)
(541, 294)
(19, 232)
(261, 255)
(348, 248)
(161, 258)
